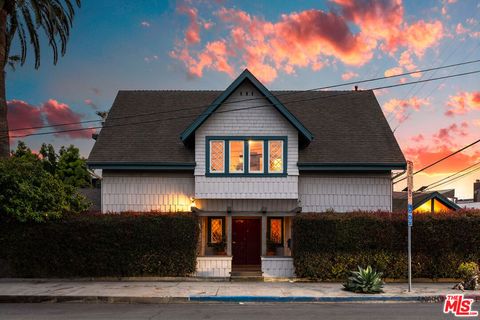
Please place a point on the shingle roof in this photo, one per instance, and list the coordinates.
(348, 127)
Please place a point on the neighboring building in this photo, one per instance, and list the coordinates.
(473, 203)
(423, 202)
(246, 160)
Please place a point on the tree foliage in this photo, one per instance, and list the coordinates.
(29, 192)
(42, 186)
(67, 165)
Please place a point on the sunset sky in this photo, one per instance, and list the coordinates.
(155, 44)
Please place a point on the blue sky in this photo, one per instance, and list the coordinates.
(204, 44)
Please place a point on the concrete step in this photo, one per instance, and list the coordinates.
(246, 273)
(246, 278)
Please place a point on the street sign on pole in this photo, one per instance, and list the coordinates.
(410, 220)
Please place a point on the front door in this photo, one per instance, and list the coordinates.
(246, 241)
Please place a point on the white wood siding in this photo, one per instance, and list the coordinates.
(345, 192)
(217, 267)
(278, 267)
(122, 191)
(247, 205)
(263, 121)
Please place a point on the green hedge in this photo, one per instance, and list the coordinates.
(97, 245)
(328, 245)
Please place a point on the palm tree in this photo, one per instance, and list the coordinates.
(22, 20)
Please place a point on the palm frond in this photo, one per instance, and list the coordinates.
(28, 17)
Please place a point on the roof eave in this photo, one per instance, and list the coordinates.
(308, 166)
(168, 166)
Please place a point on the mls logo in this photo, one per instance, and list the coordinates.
(459, 306)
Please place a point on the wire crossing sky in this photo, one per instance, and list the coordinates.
(294, 45)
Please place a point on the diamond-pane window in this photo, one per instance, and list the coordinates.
(216, 230)
(276, 230)
(275, 158)
(217, 156)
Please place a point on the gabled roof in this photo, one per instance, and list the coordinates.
(246, 75)
(142, 130)
(400, 200)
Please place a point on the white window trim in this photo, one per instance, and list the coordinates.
(283, 163)
(263, 156)
(230, 158)
(210, 157)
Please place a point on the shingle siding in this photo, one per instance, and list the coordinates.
(122, 191)
(345, 192)
(262, 121)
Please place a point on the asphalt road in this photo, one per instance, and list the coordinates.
(54, 311)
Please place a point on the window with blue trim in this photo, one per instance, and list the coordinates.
(246, 156)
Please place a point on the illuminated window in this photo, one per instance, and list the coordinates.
(275, 230)
(440, 207)
(255, 161)
(236, 157)
(216, 230)
(245, 156)
(275, 156)
(217, 156)
(424, 207)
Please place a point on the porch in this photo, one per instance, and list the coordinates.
(245, 244)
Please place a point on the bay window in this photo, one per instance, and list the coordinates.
(246, 156)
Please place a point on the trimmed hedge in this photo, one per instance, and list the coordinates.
(97, 245)
(328, 245)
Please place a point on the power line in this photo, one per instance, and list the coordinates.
(435, 88)
(438, 182)
(458, 177)
(278, 95)
(252, 107)
(441, 159)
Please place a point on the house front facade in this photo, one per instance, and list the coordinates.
(246, 160)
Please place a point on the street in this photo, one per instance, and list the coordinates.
(53, 311)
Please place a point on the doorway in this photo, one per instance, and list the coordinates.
(246, 241)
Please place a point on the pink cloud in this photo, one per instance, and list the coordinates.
(89, 102)
(192, 34)
(349, 75)
(57, 113)
(448, 134)
(393, 71)
(463, 102)
(23, 115)
(418, 138)
(424, 155)
(145, 24)
(406, 62)
(383, 21)
(460, 29)
(306, 39)
(399, 107)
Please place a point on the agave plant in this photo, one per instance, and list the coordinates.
(365, 281)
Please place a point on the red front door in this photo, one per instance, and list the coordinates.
(246, 241)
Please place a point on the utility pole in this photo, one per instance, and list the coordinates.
(410, 220)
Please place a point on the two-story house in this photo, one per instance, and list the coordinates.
(246, 160)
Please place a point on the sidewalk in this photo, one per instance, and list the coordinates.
(184, 291)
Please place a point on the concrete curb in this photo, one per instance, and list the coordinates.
(330, 299)
(223, 299)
